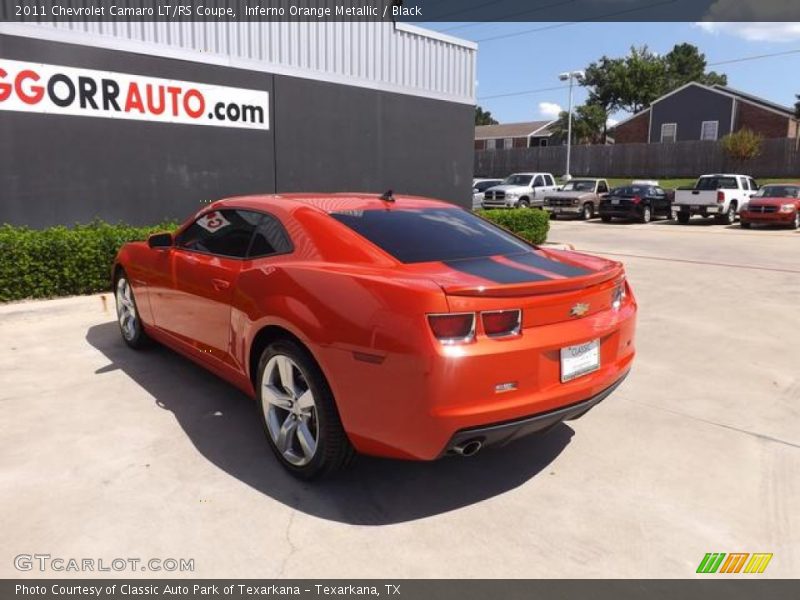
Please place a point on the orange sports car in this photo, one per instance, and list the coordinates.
(393, 326)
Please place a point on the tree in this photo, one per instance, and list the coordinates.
(797, 106)
(632, 82)
(588, 125)
(483, 117)
(742, 145)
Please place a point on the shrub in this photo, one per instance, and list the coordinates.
(742, 145)
(61, 261)
(529, 224)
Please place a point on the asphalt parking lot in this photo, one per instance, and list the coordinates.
(105, 452)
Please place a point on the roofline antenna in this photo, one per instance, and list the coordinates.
(387, 196)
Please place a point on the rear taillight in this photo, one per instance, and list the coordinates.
(637, 200)
(453, 328)
(720, 197)
(501, 323)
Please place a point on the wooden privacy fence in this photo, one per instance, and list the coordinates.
(778, 158)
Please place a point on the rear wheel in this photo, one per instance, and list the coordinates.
(647, 215)
(587, 212)
(130, 324)
(730, 215)
(299, 414)
(683, 218)
(796, 222)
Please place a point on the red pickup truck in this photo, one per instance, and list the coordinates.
(774, 204)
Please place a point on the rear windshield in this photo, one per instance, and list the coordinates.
(431, 234)
(632, 190)
(778, 191)
(716, 183)
(579, 185)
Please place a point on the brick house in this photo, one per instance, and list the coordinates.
(513, 135)
(700, 112)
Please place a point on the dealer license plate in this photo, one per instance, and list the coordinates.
(580, 360)
(615, 201)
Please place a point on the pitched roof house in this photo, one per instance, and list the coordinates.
(700, 112)
(513, 135)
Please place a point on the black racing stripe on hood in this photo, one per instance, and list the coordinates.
(554, 266)
(486, 268)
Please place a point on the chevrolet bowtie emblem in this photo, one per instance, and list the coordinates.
(579, 310)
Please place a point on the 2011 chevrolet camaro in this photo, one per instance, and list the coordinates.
(392, 326)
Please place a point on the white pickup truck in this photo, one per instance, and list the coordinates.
(520, 190)
(719, 195)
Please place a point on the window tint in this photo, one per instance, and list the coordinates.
(549, 180)
(716, 183)
(602, 187)
(779, 191)
(270, 238)
(579, 185)
(753, 184)
(539, 181)
(435, 234)
(517, 180)
(222, 232)
(482, 186)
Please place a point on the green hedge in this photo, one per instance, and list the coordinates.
(62, 261)
(527, 223)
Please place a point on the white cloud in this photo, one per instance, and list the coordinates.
(611, 122)
(550, 110)
(765, 31)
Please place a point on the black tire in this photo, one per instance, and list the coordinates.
(130, 326)
(523, 203)
(669, 215)
(647, 215)
(730, 215)
(796, 223)
(333, 451)
(683, 218)
(744, 225)
(587, 212)
(553, 216)
(605, 219)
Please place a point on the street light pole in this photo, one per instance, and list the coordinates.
(571, 76)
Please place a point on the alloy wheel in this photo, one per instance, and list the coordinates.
(126, 310)
(290, 410)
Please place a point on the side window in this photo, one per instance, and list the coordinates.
(550, 180)
(743, 183)
(753, 184)
(602, 187)
(660, 192)
(270, 238)
(221, 232)
(538, 182)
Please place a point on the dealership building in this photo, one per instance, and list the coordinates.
(140, 122)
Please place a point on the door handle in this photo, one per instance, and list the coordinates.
(220, 284)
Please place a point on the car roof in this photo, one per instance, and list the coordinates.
(327, 202)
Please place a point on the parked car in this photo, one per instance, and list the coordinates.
(520, 190)
(392, 326)
(479, 186)
(577, 197)
(774, 204)
(721, 196)
(640, 202)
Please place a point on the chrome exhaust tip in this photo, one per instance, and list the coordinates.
(469, 448)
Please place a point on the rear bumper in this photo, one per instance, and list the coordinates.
(621, 212)
(502, 433)
(700, 209)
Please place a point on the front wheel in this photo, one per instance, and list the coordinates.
(587, 212)
(524, 203)
(130, 324)
(796, 222)
(299, 414)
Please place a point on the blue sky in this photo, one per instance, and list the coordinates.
(534, 60)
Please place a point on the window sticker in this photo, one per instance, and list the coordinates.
(213, 222)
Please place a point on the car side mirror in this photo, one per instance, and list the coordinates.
(160, 240)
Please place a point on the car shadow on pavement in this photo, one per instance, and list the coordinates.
(222, 424)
